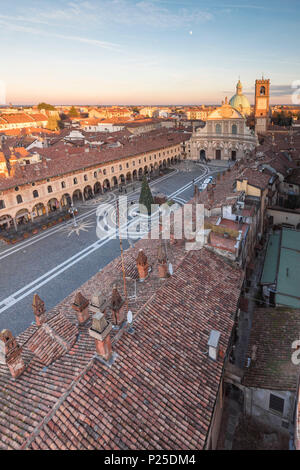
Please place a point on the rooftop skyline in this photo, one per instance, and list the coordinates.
(131, 52)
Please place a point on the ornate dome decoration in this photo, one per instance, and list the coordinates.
(239, 101)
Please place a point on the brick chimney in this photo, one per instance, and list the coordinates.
(80, 305)
(98, 303)
(100, 331)
(11, 353)
(142, 265)
(39, 310)
(162, 261)
(116, 306)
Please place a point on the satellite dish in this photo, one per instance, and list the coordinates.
(129, 317)
(170, 268)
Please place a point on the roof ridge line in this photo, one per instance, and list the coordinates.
(56, 406)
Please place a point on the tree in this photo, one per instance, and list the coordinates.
(146, 197)
(52, 123)
(46, 106)
(73, 112)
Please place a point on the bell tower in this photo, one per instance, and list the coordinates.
(261, 110)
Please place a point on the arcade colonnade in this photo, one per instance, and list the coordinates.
(35, 200)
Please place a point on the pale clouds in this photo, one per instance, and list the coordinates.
(102, 13)
(32, 30)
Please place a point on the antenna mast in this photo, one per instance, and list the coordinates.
(122, 257)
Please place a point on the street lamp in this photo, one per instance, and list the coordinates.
(73, 211)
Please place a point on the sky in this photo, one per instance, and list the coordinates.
(146, 52)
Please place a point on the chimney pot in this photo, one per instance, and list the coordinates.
(162, 261)
(11, 353)
(142, 265)
(39, 310)
(80, 305)
(116, 306)
(98, 303)
(100, 331)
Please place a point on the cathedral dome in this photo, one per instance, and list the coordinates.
(239, 101)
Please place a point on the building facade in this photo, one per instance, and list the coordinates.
(42, 187)
(225, 136)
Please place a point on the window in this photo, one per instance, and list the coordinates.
(133, 163)
(112, 169)
(19, 199)
(63, 184)
(35, 193)
(95, 174)
(120, 167)
(85, 177)
(145, 159)
(75, 180)
(262, 90)
(2, 204)
(139, 162)
(49, 189)
(234, 129)
(104, 171)
(276, 403)
(127, 165)
(218, 128)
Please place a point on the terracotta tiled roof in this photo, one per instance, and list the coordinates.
(273, 332)
(160, 391)
(60, 162)
(255, 178)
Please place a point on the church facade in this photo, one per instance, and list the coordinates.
(225, 136)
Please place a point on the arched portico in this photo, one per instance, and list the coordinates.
(97, 188)
(53, 205)
(88, 192)
(77, 196)
(66, 200)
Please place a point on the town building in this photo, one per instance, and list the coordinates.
(225, 136)
(271, 378)
(49, 179)
(80, 378)
(281, 271)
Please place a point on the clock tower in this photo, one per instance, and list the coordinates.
(261, 111)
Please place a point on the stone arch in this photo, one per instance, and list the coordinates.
(122, 179)
(202, 155)
(97, 188)
(146, 171)
(77, 196)
(164, 163)
(128, 177)
(6, 222)
(172, 160)
(114, 181)
(106, 185)
(168, 161)
(22, 217)
(134, 175)
(88, 192)
(38, 210)
(53, 204)
(66, 200)
(140, 172)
